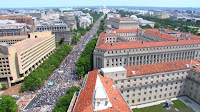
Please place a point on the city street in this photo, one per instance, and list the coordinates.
(63, 78)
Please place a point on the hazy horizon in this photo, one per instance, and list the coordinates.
(95, 3)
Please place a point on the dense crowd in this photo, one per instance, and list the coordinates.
(63, 78)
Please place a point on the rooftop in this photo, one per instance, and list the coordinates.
(160, 35)
(85, 104)
(125, 30)
(14, 37)
(29, 42)
(162, 67)
(139, 44)
(113, 69)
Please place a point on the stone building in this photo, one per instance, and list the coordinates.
(19, 18)
(19, 59)
(61, 30)
(121, 23)
(69, 19)
(153, 82)
(12, 29)
(142, 47)
(137, 84)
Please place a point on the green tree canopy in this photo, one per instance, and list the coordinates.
(8, 104)
(63, 103)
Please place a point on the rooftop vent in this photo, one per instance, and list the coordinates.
(137, 68)
(133, 72)
(187, 65)
(113, 86)
(175, 64)
(112, 44)
(143, 42)
(195, 66)
(115, 98)
(106, 82)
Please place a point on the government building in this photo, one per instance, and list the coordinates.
(116, 89)
(19, 55)
(127, 47)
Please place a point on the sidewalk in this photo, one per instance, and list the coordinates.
(190, 103)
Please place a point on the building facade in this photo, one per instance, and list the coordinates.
(122, 23)
(18, 18)
(69, 19)
(13, 29)
(153, 82)
(147, 47)
(61, 31)
(19, 59)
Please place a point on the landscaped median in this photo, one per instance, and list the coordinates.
(178, 106)
(37, 78)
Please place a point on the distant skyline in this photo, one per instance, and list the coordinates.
(72, 3)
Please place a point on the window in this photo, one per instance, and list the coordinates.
(122, 81)
(132, 101)
(127, 95)
(149, 98)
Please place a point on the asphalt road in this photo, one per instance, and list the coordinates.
(48, 95)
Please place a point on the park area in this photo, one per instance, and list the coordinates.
(177, 107)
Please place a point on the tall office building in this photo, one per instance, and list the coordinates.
(19, 59)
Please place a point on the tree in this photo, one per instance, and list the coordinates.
(156, 25)
(8, 104)
(63, 103)
(98, 32)
(36, 78)
(23, 88)
(85, 62)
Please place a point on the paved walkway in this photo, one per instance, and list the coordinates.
(151, 103)
(190, 103)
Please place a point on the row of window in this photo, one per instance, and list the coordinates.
(155, 97)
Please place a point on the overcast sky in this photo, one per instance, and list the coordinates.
(66, 3)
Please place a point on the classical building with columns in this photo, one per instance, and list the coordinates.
(138, 46)
(18, 59)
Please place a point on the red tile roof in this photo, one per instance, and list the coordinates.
(84, 102)
(161, 67)
(103, 36)
(138, 44)
(161, 35)
(118, 105)
(125, 30)
(195, 37)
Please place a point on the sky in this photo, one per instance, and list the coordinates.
(69, 3)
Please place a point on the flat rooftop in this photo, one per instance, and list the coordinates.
(14, 37)
(27, 43)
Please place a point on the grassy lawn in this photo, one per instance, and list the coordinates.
(158, 108)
